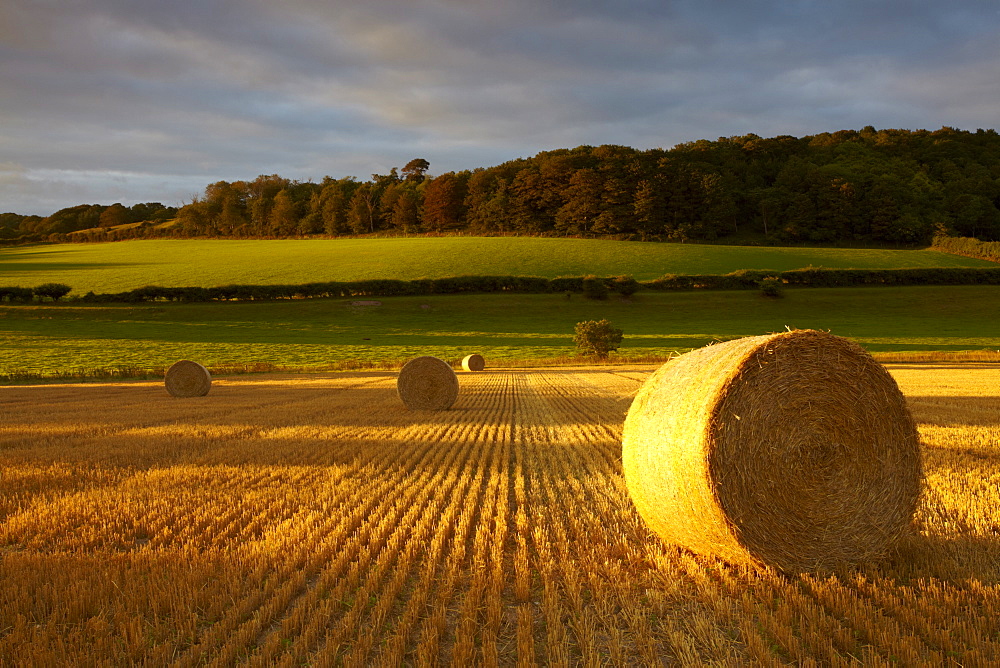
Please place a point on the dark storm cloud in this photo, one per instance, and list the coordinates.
(104, 100)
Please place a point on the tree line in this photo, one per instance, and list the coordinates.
(61, 224)
(887, 186)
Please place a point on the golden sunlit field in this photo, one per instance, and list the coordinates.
(313, 520)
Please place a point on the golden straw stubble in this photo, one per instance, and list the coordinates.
(187, 379)
(795, 450)
(473, 362)
(427, 383)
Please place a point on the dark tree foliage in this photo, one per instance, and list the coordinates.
(85, 222)
(54, 291)
(444, 202)
(597, 337)
(594, 287)
(114, 215)
(415, 169)
(896, 187)
(12, 224)
(626, 286)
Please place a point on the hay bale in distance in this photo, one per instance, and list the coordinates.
(473, 362)
(795, 450)
(427, 384)
(187, 379)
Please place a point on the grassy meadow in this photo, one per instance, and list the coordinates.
(286, 521)
(125, 265)
(505, 328)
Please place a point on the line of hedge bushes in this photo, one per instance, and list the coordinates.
(13, 294)
(53, 291)
(737, 280)
(829, 278)
(969, 247)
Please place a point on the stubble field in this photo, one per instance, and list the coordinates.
(312, 520)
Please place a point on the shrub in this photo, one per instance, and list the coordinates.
(626, 286)
(566, 284)
(53, 290)
(597, 337)
(772, 287)
(15, 294)
(594, 288)
(968, 246)
(671, 282)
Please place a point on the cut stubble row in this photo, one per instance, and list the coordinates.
(284, 520)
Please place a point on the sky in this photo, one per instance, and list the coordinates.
(105, 101)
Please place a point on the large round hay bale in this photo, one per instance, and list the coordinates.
(187, 379)
(795, 450)
(428, 384)
(473, 362)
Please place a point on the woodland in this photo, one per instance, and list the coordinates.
(891, 186)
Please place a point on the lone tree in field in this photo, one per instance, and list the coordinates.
(597, 337)
(54, 290)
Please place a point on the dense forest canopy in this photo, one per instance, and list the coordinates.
(886, 186)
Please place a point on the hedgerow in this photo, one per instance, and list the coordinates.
(744, 279)
(968, 246)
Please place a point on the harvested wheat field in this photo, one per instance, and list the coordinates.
(314, 520)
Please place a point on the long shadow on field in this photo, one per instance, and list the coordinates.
(363, 400)
(138, 426)
(955, 411)
(235, 454)
(954, 559)
(378, 404)
(61, 266)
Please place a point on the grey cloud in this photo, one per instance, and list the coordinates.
(192, 91)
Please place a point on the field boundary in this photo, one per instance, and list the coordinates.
(968, 247)
(744, 279)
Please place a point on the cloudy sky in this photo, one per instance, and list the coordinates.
(128, 101)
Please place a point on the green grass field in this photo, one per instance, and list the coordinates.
(120, 266)
(318, 333)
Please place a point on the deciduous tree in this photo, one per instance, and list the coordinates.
(444, 203)
(115, 215)
(597, 337)
(415, 170)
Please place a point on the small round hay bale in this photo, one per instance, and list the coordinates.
(188, 379)
(794, 450)
(427, 384)
(473, 362)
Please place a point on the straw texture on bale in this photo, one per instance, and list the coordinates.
(188, 379)
(427, 384)
(795, 450)
(473, 362)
